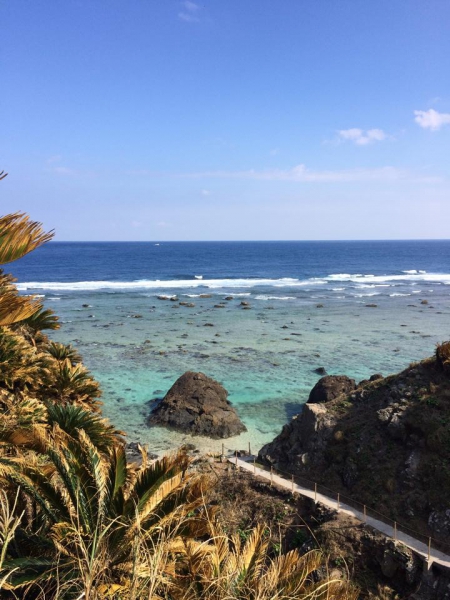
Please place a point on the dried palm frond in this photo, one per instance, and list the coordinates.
(19, 235)
(21, 364)
(13, 307)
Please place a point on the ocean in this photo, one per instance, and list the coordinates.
(353, 308)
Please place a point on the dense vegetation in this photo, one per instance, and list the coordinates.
(77, 520)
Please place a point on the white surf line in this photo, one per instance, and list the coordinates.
(387, 530)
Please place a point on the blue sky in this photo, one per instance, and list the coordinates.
(227, 119)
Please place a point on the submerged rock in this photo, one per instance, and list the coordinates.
(198, 405)
(320, 371)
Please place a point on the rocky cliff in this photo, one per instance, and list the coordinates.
(385, 443)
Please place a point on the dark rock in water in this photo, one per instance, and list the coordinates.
(219, 306)
(320, 371)
(375, 377)
(205, 296)
(330, 387)
(208, 325)
(244, 303)
(319, 305)
(424, 302)
(198, 405)
(86, 305)
(174, 299)
(371, 305)
(228, 298)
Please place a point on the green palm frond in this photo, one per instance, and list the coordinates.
(74, 383)
(71, 419)
(42, 319)
(19, 235)
(61, 352)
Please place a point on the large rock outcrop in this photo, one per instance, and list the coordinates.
(302, 440)
(385, 444)
(198, 405)
(330, 387)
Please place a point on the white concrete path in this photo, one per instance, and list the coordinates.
(435, 555)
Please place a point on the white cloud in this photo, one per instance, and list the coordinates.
(191, 6)
(431, 119)
(302, 174)
(361, 137)
(205, 193)
(63, 170)
(274, 152)
(189, 16)
(54, 159)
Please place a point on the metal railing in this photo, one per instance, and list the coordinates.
(365, 510)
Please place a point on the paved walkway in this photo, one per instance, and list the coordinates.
(419, 547)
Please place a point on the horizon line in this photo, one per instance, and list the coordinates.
(159, 241)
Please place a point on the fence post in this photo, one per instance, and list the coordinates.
(395, 531)
(223, 450)
(429, 549)
(292, 484)
(315, 492)
(249, 449)
(254, 466)
(236, 459)
(338, 502)
(271, 475)
(365, 514)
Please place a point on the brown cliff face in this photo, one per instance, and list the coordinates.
(385, 444)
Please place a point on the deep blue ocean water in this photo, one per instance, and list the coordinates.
(130, 261)
(351, 307)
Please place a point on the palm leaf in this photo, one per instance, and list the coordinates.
(15, 308)
(19, 235)
(71, 419)
(19, 572)
(42, 319)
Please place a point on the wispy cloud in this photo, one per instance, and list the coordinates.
(63, 171)
(361, 137)
(431, 119)
(302, 174)
(54, 159)
(205, 193)
(189, 14)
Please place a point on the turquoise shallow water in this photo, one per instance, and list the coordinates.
(265, 356)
